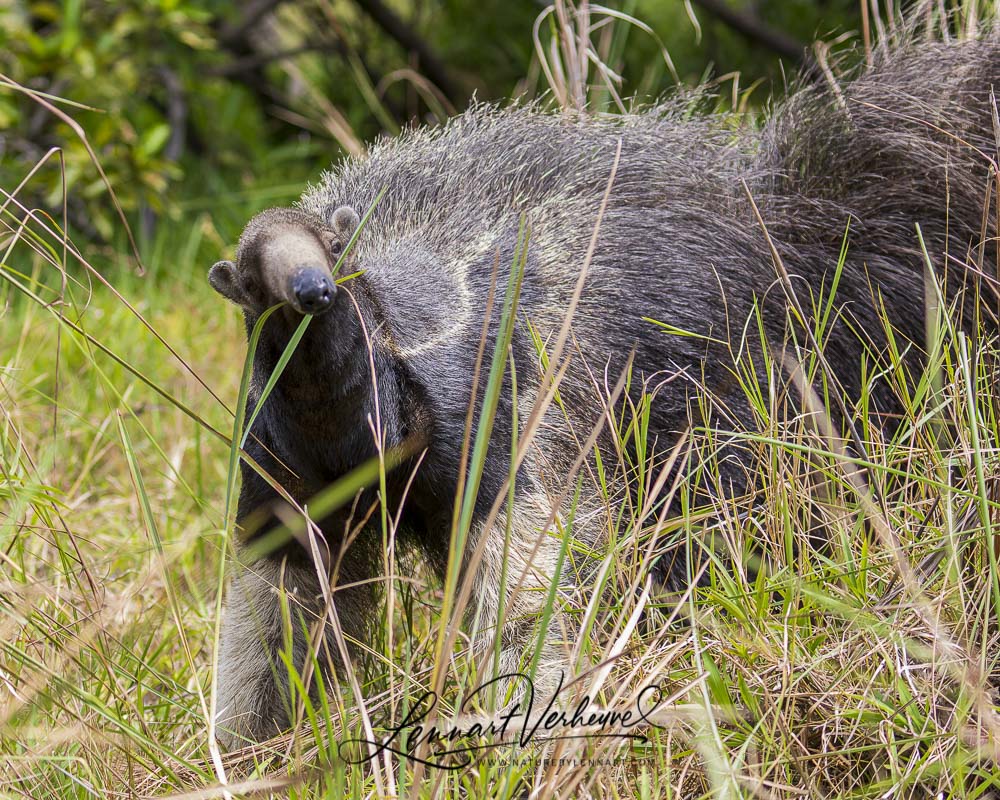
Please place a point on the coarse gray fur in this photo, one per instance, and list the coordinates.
(906, 142)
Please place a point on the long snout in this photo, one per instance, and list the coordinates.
(296, 267)
(311, 290)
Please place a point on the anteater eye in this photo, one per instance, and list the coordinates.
(336, 247)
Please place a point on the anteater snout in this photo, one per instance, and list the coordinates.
(312, 290)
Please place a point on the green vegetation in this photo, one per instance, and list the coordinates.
(859, 671)
(189, 101)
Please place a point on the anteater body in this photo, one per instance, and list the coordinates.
(906, 143)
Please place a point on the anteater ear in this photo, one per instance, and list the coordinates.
(226, 281)
(344, 222)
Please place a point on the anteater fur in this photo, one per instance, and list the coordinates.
(907, 142)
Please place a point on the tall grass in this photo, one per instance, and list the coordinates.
(836, 637)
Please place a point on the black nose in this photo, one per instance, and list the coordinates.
(313, 290)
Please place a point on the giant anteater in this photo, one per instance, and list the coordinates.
(907, 142)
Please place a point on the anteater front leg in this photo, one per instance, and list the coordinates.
(276, 618)
(275, 613)
(271, 607)
(516, 577)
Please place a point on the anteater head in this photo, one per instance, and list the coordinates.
(286, 255)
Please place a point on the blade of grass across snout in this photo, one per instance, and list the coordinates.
(279, 368)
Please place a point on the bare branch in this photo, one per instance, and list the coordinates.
(236, 31)
(753, 28)
(431, 65)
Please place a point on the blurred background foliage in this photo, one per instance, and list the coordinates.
(191, 105)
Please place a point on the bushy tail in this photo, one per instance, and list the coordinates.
(911, 141)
